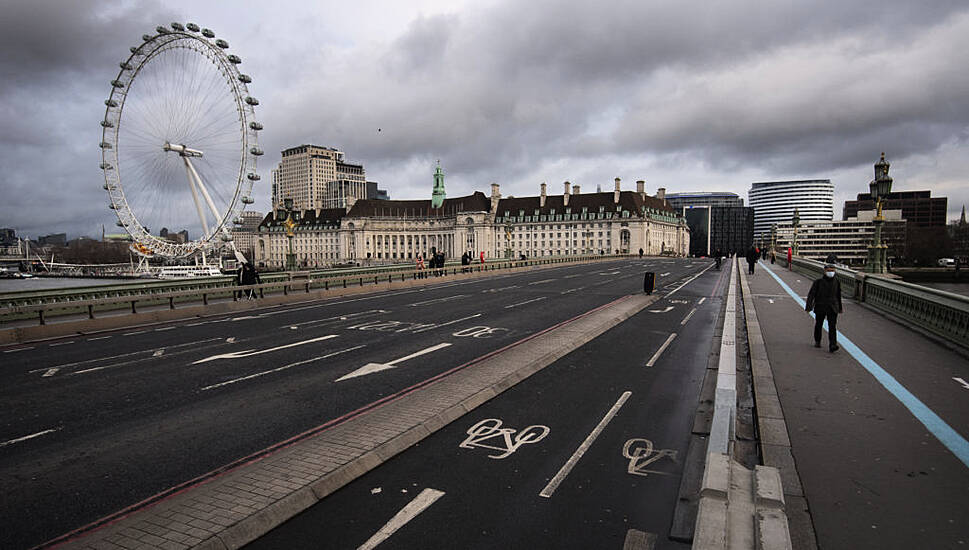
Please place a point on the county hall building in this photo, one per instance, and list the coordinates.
(371, 231)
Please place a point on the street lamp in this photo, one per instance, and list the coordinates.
(880, 187)
(796, 222)
(290, 224)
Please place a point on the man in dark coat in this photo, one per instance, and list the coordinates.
(752, 256)
(825, 299)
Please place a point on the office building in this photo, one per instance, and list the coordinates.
(847, 239)
(316, 178)
(918, 208)
(680, 200)
(393, 231)
(775, 201)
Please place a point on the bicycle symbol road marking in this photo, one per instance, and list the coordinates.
(485, 433)
(479, 332)
(641, 454)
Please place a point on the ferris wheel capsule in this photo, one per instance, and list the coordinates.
(222, 44)
(178, 26)
(255, 125)
(192, 27)
(208, 33)
(234, 59)
(245, 78)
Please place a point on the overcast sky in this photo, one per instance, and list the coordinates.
(690, 96)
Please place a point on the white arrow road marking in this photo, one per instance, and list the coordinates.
(26, 437)
(277, 369)
(456, 296)
(250, 353)
(664, 274)
(704, 299)
(652, 360)
(51, 372)
(343, 317)
(567, 467)
(158, 353)
(420, 503)
(963, 382)
(668, 308)
(123, 355)
(525, 302)
(371, 368)
(230, 340)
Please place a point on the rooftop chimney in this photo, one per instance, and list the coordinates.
(541, 200)
(565, 196)
(661, 194)
(575, 189)
(641, 189)
(495, 197)
(615, 194)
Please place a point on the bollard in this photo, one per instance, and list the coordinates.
(90, 311)
(649, 281)
(133, 306)
(171, 304)
(326, 284)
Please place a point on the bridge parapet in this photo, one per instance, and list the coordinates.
(943, 314)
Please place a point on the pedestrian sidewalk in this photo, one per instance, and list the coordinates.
(877, 429)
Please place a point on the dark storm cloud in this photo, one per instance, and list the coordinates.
(520, 92)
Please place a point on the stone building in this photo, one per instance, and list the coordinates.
(394, 231)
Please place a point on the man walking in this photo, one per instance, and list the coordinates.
(752, 256)
(825, 299)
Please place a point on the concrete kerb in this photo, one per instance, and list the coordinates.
(492, 374)
(24, 334)
(741, 509)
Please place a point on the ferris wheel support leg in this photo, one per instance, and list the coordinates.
(190, 171)
(205, 192)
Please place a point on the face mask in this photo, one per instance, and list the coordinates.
(829, 274)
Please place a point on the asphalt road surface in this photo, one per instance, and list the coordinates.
(96, 423)
(511, 474)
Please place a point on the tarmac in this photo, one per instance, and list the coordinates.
(875, 432)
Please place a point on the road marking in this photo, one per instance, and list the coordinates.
(639, 540)
(573, 275)
(571, 290)
(668, 308)
(437, 300)
(490, 428)
(61, 343)
(371, 368)
(525, 302)
(344, 317)
(449, 322)
(164, 328)
(50, 372)
(687, 318)
(660, 351)
(688, 281)
(479, 331)
(245, 317)
(500, 289)
(700, 303)
(16, 350)
(963, 382)
(136, 332)
(610, 273)
(420, 503)
(939, 428)
(230, 340)
(158, 353)
(560, 476)
(77, 363)
(192, 324)
(641, 453)
(26, 437)
(98, 338)
(284, 367)
(250, 353)
(664, 274)
(542, 282)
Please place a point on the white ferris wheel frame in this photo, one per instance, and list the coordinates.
(202, 41)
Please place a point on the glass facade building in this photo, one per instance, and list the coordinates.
(774, 202)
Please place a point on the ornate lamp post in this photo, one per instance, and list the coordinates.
(796, 222)
(773, 237)
(879, 187)
(290, 224)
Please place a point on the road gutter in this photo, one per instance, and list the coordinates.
(232, 507)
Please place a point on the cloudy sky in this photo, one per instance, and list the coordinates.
(690, 96)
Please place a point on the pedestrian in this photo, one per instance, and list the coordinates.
(790, 258)
(825, 300)
(752, 256)
(482, 256)
(640, 253)
(718, 255)
(773, 257)
(420, 266)
(248, 276)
